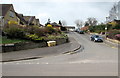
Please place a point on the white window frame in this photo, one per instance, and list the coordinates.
(2, 21)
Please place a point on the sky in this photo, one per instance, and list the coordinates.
(64, 10)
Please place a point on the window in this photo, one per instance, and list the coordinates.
(1, 21)
(11, 14)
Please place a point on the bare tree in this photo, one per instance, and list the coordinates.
(92, 21)
(64, 22)
(79, 23)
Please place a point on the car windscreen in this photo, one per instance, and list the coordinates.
(96, 36)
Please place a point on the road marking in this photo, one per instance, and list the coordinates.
(93, 61)
(111, 46)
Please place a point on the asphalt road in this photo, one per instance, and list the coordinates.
(96, 59)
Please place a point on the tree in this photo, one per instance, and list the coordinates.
(64, 22)
(60, 22)
(79, 23)
(92, 21)
(86, 23)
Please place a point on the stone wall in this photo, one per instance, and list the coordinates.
(29, 45)
(22, 46)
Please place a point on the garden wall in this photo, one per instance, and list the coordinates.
(29, 45)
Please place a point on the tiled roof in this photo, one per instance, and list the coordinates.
(20, 16)
(5, 8)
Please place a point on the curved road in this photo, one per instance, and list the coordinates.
(96, 59)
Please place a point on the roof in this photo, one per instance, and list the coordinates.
(85, 28)
(5, 8)
(20, 16)
(29, 19)
(37, 20)
(55, 24)
(118, 21)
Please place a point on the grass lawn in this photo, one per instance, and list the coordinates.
(4, 40)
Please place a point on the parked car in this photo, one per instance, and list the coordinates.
(81, 32)
(96, 38)
(72, 30)
(76, 30)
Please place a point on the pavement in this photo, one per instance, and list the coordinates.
(66, 48)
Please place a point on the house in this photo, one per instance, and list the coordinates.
(31, 20)
(55, 25)
(70, 28)
(21, 20)
(85, 28)
(37, 22)
(8, 14)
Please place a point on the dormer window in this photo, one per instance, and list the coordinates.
(11, 14)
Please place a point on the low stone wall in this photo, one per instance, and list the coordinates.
(29, 45)
(61, 41)
(22, 46)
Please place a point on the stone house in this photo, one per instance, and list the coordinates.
(31, 20)
(21, 20)
(55, 25)
(8, 14)
(37, 22)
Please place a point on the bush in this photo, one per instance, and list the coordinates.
(14, 32)
(50, 30)
(117, 26)
(112, 33)
(12, 23)
(34, 37)
(117, 37)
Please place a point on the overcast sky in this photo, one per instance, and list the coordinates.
(68, 10)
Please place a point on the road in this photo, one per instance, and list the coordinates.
(96, 59)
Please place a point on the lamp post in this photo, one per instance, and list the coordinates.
(106, 32)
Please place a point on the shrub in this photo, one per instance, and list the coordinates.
(49, 25)
(14, 32)
(50, 30)
(112, 33)
(40, 32)
(117, 26)
(34, 37)
(12, 23)
(117, 37)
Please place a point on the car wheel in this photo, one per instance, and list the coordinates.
(94, 40)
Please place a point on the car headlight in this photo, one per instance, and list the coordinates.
(95, 38)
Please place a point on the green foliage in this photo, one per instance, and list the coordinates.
(92, 28)
(100, 28)
(112, 33)
(33, 33)
(50, 30)
(14, 32)
(5, 40)
(34, 37)
(117, 26)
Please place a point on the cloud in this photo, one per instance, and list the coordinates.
(41, 15)
(11, 1)
(68, 10)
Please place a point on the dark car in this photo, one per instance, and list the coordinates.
(81, 32)
(96, 38)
